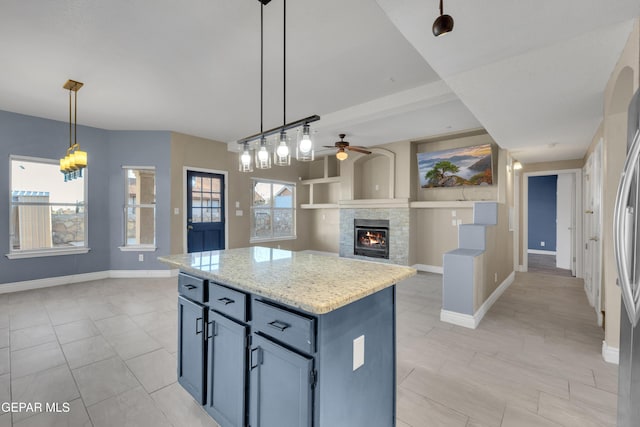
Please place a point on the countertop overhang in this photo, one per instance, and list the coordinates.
(314, 283)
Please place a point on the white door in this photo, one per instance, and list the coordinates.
(564, 221)
(592, 230)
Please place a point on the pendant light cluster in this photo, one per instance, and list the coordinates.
(443, 23)
(279, 153)
(72, 164)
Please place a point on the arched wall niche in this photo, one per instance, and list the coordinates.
(622, 92)
(374, 175)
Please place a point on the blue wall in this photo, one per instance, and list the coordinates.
(107, 151)
(542, 212)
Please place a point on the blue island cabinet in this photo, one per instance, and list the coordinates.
(273, 365)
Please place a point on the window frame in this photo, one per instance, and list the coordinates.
(46, 252)
(126, 205)
(294, 228)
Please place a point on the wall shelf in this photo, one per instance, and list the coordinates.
(319, 206)
(431, 204)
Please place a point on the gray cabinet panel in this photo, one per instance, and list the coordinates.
(191, 347)
(280, 386)
(227, 371)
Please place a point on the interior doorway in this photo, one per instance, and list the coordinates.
(556, 252)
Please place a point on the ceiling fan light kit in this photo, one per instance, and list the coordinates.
(343, 145)
(443, 23)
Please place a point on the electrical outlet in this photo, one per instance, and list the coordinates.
(140, 257)
(454, 222)
(358, 352)
(454, 214)
(542, 244)
(176, 211)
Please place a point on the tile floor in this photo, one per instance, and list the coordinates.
(108, 348)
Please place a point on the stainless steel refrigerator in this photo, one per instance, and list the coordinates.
(627, 253)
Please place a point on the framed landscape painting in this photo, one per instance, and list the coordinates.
(457, 166)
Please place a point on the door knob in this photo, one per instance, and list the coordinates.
(594, 238)
(190, 227)
(588, 212)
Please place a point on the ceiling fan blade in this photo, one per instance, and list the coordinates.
(329, 146)
(358, 149)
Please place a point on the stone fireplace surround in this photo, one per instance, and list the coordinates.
(398, 230)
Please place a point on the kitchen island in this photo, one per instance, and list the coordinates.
(269, 337)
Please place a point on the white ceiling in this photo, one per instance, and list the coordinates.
(531, 73)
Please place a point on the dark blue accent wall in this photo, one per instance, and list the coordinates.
(542, 212)
(107, 151)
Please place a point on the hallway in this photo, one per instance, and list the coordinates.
(535, 359)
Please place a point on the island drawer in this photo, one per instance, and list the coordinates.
(192, 287)
(228, 301)
(288, 327)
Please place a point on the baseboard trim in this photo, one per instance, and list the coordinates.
(484, 308)
(541, 252)
(428, 268)
(52, 281)
(85, 277)
(136, 274)
(610, 354)
(472, 322)
(464, 320)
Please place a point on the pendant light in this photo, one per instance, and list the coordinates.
(245, 163)
(263, 156)
(304, 151)
(281, 149)
(443, 23)
(75, 160)
(282, 153)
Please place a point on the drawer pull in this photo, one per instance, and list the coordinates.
(190, 287)
(276, 324)
(226, 301)
(199, 319)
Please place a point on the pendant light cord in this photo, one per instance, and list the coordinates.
(284, 64)
(441, 8)
(75, 119)
(70, 133)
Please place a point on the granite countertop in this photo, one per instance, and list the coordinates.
(315, 283)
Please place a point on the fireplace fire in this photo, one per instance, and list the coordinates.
(371, 238)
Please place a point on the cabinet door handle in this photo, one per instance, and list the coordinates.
(276, 324)
(211, 329)
(256, 357)
(225, 301)
(199, 319)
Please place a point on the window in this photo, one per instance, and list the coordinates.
(273, 213)
(139, 208)
(47, 214)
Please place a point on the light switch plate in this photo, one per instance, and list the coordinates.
(358, 352)
(239, 212)
(176, 211)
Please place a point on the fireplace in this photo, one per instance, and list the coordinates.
(371, 237)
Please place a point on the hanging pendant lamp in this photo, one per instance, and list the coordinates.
(263, 155)
(75, 160)
(443, 23)
(282, 153)
(280, 148)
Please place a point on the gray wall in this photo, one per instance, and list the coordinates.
(107, 152)
(138, 148)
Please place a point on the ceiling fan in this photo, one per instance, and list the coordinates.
(342, 145)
